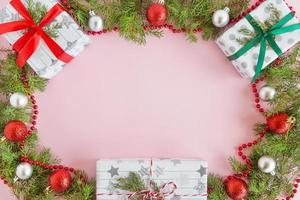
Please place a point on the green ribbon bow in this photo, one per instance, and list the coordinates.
(263, 37)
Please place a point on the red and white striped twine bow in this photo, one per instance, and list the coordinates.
(164, 191)
(149, 194)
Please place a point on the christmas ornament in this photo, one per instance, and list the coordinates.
(157, 14)
(18, 100)
(15, 131)
(236, 188)
(267, 165)
(267, 93)
(221, 17)
(95, 22)
(60, 181)
(280, 123)
(24, 171)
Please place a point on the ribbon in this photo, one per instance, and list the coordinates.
(28, 43)
(150, 194)
(263, 38)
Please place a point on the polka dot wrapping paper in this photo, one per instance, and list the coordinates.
(231, 41)
(189, 176)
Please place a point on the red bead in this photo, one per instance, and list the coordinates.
(36, 112)
(261, 110)
(257, 100)
(244, 157)
(244, 146)
(240, 148)
(295, 185)
(34, 117)
(240, 153)
(258, 106)
(33, 122)
(294, 191)
(35, 107)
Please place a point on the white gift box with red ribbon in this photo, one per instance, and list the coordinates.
(70, 38)
(188, 176)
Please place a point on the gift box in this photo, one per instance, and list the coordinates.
(51, 54)
(189, 176)
(260, 38)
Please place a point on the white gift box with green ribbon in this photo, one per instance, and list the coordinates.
(261, 37)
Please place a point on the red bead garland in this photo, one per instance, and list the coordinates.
(241, 148)
(46, 166)
(256, 95)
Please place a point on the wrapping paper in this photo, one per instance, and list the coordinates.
(246, 64)
(70, 37)
(190, 176)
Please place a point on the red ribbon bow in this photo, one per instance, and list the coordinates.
(28, 43)
(149, 194)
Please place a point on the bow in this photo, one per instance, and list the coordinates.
(149, 194)
(28, 43)
(263, 38)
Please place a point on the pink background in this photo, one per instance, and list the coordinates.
(169, 98)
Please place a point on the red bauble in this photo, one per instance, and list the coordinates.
(60, 181)
(236, 188)
(157, 14)
(15, 131)
(279, 123)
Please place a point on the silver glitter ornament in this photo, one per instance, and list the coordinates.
(221, 17)
(95, 22)
(24, 171)
(267, 165)
(267, 93)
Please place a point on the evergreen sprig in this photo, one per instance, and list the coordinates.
(37, 11)
(266, 25)
(134, 183)
(130, 16)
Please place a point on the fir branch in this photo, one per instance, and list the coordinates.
(248, 34)
(216, 185)
(38, 11)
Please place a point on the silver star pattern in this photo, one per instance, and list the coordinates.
(200, 187)
(141, 161)
(176, 197)
(113, 171)
(3, 15)
(159, 171)
(202, 171)
(176, 162)
(110, 188)
(144, 171)
(67, 22)
(70, 45)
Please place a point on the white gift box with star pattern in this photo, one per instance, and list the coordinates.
(190, 177)
(246, 64)
(70, 38)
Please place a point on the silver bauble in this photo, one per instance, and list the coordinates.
(267, 165)
(24, 171)
(18, 100)
(221, 17)
(95, 22)
(267, 93)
